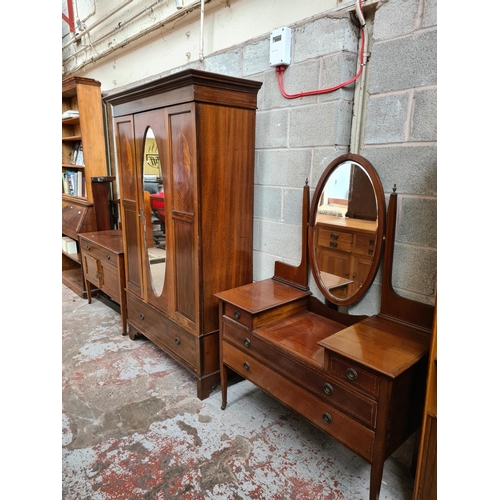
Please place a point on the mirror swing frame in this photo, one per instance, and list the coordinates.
(298, 276)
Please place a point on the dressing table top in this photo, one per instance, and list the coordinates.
(383, 345)
(361, 225)
(262, 295)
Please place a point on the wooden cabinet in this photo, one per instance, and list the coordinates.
(204, 130)
(426, 476)
(84, 130)
(103, 267)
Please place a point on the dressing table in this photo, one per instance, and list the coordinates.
(359, 379)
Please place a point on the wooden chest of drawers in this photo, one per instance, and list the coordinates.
(103, 267)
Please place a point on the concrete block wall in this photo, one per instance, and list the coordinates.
(297, 138)
(400, 138)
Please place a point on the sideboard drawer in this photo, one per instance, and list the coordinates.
(364, 244)
(164, 333)
(334, 422)
(98, 252)
(354, 375)
(335, 239)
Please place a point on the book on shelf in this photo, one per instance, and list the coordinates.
(79, 184)
(74, 153)
(69, 245)
(70, 113)
(65, 185)
(79, 155)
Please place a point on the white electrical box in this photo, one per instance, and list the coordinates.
(280, 52)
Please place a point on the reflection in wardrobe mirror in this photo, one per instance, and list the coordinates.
(154, 212)
(346, 229)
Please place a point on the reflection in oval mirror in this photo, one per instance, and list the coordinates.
(346, 229)
(154, 212)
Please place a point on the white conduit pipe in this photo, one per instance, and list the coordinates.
(359, 92)
(174, 17)
(97, 23)
(202, 17)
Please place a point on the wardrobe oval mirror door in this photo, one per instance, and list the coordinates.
(154, 212)
(346, 228)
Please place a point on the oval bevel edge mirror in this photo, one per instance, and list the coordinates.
(154, 212)
(346, 229)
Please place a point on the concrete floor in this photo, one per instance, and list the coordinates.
(133, 428)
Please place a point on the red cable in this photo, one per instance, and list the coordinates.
(280, 70)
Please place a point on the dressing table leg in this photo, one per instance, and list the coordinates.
(223, 385)
(376, 472)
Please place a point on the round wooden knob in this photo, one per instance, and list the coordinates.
(352, 374)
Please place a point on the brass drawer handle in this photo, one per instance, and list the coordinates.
(327, 418)
(88, 247)
(352, 374)
(141, 316)
(237, 315)
(372, 242)
(333, 244)
(327, 388)
(370, 251)
(246, 366)
(108, 257)
(246, 342)
(177, 340)
(334, 236)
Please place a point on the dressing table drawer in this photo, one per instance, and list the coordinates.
(162, 332)
(321, 384)
(335, 239)
(237, 314)
(325, 416)
(354, 375)
(236, 334)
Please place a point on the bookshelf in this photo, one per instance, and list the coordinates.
(83, 158)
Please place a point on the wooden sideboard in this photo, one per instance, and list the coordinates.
(103, 267)
(345, 249)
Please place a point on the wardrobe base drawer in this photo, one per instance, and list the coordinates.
(161, 331)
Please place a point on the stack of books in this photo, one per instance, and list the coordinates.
(70, 113)
(69, 245)
(73, 183)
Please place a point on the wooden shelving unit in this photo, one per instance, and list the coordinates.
(78, 212)
(426, 477)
